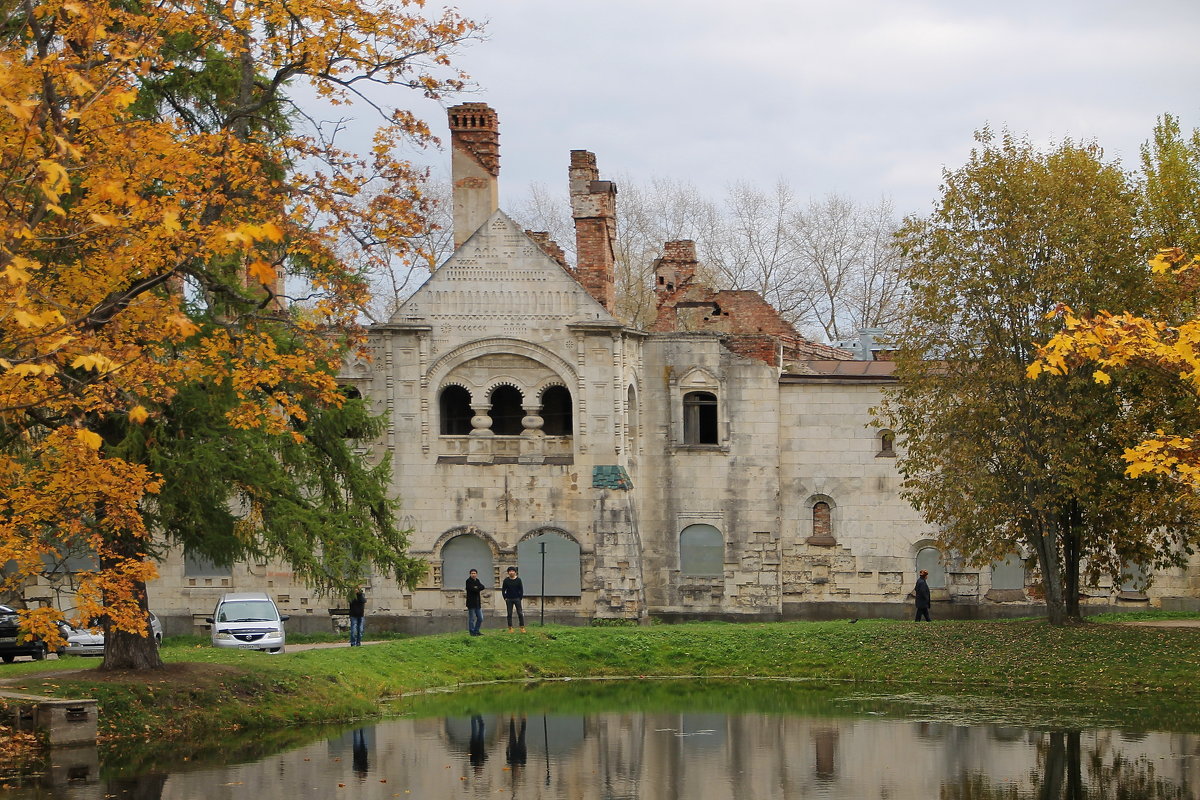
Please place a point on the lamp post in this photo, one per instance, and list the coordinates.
(542, 549)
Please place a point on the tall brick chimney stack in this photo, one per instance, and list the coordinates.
(594, 207)
(676, 268)
(474, 166)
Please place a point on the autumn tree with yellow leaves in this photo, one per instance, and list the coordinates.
(998, 463)
(180, 272)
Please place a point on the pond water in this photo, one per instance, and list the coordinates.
(580, 742)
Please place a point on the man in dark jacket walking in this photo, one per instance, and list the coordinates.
(922, 595)
(513, 590)
(475, 589)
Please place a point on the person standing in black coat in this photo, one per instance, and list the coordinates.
(513, 590)
(358, 611)
(922, 595)
(475, 589)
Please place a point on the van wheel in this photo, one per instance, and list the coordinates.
(8, 659)
(38, 655)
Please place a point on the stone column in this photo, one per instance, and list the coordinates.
(479, 446)
(533, 440)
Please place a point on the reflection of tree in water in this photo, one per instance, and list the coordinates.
(978, 786)
(143, 787)
(1060, 775)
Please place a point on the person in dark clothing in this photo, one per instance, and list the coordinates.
(476, 748)
(513, 590)
(475, 589)
(515, 753)
(922, 594)
(358, 611)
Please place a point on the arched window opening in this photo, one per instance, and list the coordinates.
(462, 554)
(700, 418)
(930, 558)
(822, 521)
(701, 552)
(631, 421)
(506, 411)
(556, 412)
(454, 407)
(563, 565)
(887, 444)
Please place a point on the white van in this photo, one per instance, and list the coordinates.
(248, 621)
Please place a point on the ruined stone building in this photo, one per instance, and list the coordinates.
(714, 464)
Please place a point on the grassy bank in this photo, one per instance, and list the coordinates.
(206, 690)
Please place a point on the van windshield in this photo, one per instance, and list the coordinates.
(248, 611)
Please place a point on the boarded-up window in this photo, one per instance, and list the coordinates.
(198, 566)
(701, 552)
(1009, 573)
(462, 554)
(929, 558)
(1134, 578)
(822, 523)
(454, 407)
(563, 565)
(700, 418)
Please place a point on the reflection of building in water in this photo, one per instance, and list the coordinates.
(709, 757)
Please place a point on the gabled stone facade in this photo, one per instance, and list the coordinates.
(715, 465)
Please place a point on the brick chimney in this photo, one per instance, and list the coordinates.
(676, 269)
(474, 166)
(594, 207)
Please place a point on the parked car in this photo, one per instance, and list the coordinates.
(90, 642)
(11, 644)
(248, 621)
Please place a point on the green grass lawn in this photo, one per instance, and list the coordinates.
(205, 689)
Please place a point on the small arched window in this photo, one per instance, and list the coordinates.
(506, 411)
(822, 522)
(701, 552)
(887, 445)
(454, 409)
(700, 418)
(557, 418)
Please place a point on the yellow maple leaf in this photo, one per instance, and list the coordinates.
(89, 439)
(1100, 376)
(138, 415)
(262, 272)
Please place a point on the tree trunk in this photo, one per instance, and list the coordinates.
(1072, 536)
(1046, 549)
(124, 650)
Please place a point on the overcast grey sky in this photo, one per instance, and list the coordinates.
(860, 97)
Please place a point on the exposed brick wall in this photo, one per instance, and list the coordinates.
(475, 129)
(759, 347)
(550, 248)
(594, 208)
(754, 326)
